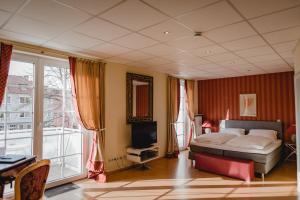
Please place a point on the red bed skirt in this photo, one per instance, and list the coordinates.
(232, 167)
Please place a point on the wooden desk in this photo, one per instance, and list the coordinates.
(11, 169)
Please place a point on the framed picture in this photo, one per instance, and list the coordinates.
(248, 105)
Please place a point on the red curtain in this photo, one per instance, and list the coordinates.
(142, 100)
(5, 56)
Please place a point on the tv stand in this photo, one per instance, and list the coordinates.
(142, 156)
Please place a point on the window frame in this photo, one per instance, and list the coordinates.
(40, 62)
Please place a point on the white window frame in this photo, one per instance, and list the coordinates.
(37, 125)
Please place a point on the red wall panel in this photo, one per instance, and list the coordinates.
(274, 93)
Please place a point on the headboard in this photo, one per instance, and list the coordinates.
(247, 125)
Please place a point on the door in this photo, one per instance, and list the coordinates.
(37, 116)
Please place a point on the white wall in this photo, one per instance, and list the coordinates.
(297, 103)
(117, 134)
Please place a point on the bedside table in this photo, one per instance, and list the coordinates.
(292, 149)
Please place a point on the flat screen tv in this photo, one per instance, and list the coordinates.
(143, 134)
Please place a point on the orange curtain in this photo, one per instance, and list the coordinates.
(87, 80)
(5, 56)
(172, 115)
(189, 87)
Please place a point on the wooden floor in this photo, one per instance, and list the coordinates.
(176, 179)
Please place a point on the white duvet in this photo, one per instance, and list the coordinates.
(249, 142)
(214, 138)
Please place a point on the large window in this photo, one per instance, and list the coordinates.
(62, 133)
(182, 125)
(37, 115)
(13, 138)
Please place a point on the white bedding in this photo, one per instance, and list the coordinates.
(268, 149)
(249, 142)
(214, 138)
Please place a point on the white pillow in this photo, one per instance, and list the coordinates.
(234, 131)
(271, 134)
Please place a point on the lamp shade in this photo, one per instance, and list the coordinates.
(291, 130)
(207, 124)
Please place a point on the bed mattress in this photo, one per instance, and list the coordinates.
(270, 153)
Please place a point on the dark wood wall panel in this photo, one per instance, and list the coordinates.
(219, 98)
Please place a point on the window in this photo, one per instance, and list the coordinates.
(182, 125)
(13, 127)
(62, 133)
(24, 100)
(61, 139)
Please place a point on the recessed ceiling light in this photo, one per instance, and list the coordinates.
(166, 32)
(197, 34)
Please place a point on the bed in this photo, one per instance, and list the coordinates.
(264, 159)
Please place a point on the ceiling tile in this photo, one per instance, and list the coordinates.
(92, 6)
(254, 8)
(230, 32)
(94, 53)
(21, 37)
(137, 64)
(210, 50)
(213, 16)
(277, 21)
(135, 56)
(117, 60)
(263, 58)
(214, 70)
(101, 29)
(53, 13)
(189, 43)
(174, 29)
(161, 50)
(3, 17)
(255, 51)
(62, 46)
(277, 69)
(285, 46)
(128, 14)
(134, 41)
(31, 27)
(268, 62)
(178, 7)
(245, 68)
(11, 5)
(77, 40)
(283, 36)
(222, 57)
(207, 66)
(234, 62)
(156, 61)
(186, 59)
(245, 43)
(110, 49)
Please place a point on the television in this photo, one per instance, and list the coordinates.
(143, 134)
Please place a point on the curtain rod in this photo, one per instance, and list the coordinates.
(45, 51)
